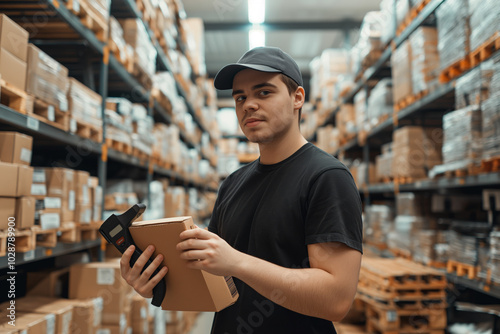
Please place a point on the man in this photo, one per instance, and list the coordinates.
(287, 226)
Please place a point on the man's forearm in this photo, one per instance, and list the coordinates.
(310, 291)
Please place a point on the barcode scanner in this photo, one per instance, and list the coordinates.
(115, 231)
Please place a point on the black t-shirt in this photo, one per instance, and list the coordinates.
(273, 212)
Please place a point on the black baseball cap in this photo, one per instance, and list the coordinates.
(264, 59)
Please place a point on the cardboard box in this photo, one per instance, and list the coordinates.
(12, 69)
(48, 283)
(102, 279)
(15, 180)
(87, 315)
(15, 147)
(110, 329)
(82, 194)
(7, 209)
(139, 314)
(31, 323)
(46, 78)
(187, 289)
(60, 182)
(62, 309)
(13, 38)
(83, 213)
(25, 212)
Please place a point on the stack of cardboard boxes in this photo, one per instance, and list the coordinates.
(15, 176)
(85, 108)
(401, 72)
(13, 52)
(47, 80)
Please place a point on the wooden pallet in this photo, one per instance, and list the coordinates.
(141, 155)
(49, 114)
(411, 16)
(411, 299)
(378, 245)
(409, 100)
(86, 130)
(454, 70)
(405, 321)
(88, 231)
(13, 97)
(118, 146)
(406, 179)
(490, 165)
(462, 172)
(162, 100)
(387, 179)
(25, 241)
(141, 76)
(401, 274)
(68, 233)
(44, 238)
(91, 20)
(462, 269)
(402, 253)
(485, 50)
(3, 243)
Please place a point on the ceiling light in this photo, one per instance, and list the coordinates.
(256, 11)
(256, 37)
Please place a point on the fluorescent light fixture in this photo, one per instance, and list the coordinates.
(256, 37)
(256, 11)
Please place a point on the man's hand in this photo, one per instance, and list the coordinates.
(142, 283)
(207, 251)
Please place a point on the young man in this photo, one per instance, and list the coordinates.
(287, 226)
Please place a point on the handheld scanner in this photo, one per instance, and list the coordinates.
(115, 231)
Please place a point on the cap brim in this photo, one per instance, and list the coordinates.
(224, 78)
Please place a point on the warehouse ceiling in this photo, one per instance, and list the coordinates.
(301, 28)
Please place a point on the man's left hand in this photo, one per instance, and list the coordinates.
(207, 251)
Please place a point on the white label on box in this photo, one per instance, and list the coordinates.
(51, 323)
(123, 322)
(50, 220)
(38, 189)
(391, 316)
(103, 331)
(38, 175)
(63, 104)
(76, 6)
(25, 155)
(51, 114)
(105, 276)
(71, 200)
(98, 195)
(66, 322)
(85, 195)
(24, 331)
(98, 305)
(144, 313)
(32, 123)
(52, 203)
(119, 200)
(72, 125)
(85, 216)
(29, 255)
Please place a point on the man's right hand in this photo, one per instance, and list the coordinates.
(142, 283)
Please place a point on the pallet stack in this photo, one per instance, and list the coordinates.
(402, 296)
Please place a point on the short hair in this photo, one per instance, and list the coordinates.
(291, 86)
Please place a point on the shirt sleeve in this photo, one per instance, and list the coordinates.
(334, 210)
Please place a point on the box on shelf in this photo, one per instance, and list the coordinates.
(62, 309)
(15, 147)
(48, 283)
(453, 32)
(416, 151)
(15, 179)
(424, 59)
(7, 210)
(47, 79)
(13, 38)
(31, 323)
(84, 106)
(87, 315)
(25, 212)
(102, 279)
(484, 22)
(12, 69)
(401, 72)
(188, 290)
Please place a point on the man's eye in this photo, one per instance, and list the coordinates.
(239, 98)
(265, 92)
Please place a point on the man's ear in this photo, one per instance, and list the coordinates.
(299, 98)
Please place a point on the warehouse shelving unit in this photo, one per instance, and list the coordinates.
(88, 53)
(429, 108)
